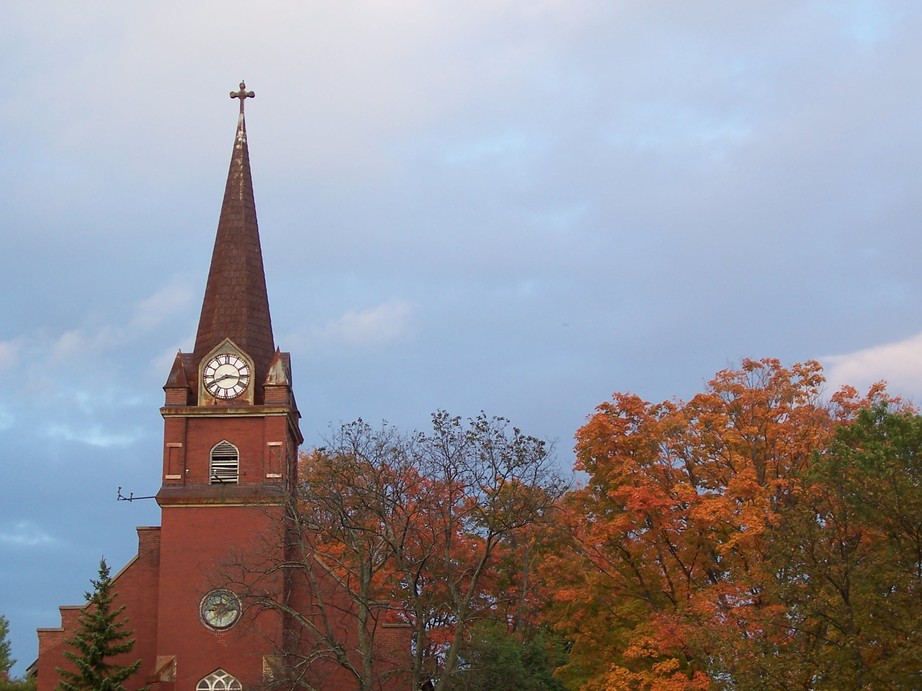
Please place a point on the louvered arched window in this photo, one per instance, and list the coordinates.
(225, 464)
(219, 680)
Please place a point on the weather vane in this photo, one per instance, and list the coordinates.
(130, 497)
(243, 94)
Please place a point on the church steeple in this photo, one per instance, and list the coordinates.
(236, 304)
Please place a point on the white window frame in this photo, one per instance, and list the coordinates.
(219, 680)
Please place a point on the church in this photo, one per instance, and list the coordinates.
(230, 450)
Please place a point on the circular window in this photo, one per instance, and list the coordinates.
(220, 609)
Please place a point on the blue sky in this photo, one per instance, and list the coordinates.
(516, 206)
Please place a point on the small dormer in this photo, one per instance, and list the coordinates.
(177, 387)
(277, 387)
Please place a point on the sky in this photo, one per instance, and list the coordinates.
(511, 206)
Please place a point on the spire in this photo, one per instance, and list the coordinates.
(236, 305)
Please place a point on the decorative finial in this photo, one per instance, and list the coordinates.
(243, 94)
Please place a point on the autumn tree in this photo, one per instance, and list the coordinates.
(418, 530)
(671, 535)
(489, 485)
(357, 504)
(847, 557)
(100, 638)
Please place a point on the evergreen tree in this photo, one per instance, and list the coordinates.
(6, 659)
(495, 658)
(100, 637)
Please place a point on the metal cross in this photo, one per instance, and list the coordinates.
(243, 94)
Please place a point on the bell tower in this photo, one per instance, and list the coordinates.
(221, 594)
(234, 386)
(231, 434)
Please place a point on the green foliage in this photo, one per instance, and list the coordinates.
(494, 658)
(101, 637)
(6, 659)
(18, 684)
(849, 559)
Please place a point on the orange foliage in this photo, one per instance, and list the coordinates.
(437, 530)
(668, 550)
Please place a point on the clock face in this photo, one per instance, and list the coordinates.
(226, 375)
(220, 609)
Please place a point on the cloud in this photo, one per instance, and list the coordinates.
(148, 314)
(78, 374)
(93, 435)
(9, 354)
(77, 343)
(24, 534)
(376, 326)
(898, 363)
(151, 312)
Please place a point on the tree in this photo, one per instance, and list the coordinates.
(100, 638)
(417, 530)
(495, 658)
(489, 484)
(6, 648)
(668, 580)
(848, 559)
(27, 684)
(353, 511)
(7, 662)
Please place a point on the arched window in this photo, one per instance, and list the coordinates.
(219, 680)
(225, 464)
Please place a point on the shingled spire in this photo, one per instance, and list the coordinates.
(236, 305)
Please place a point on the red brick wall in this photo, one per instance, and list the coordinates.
(198, 543)
(163, 586)
(188, 443)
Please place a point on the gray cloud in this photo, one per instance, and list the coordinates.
(516, 206)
